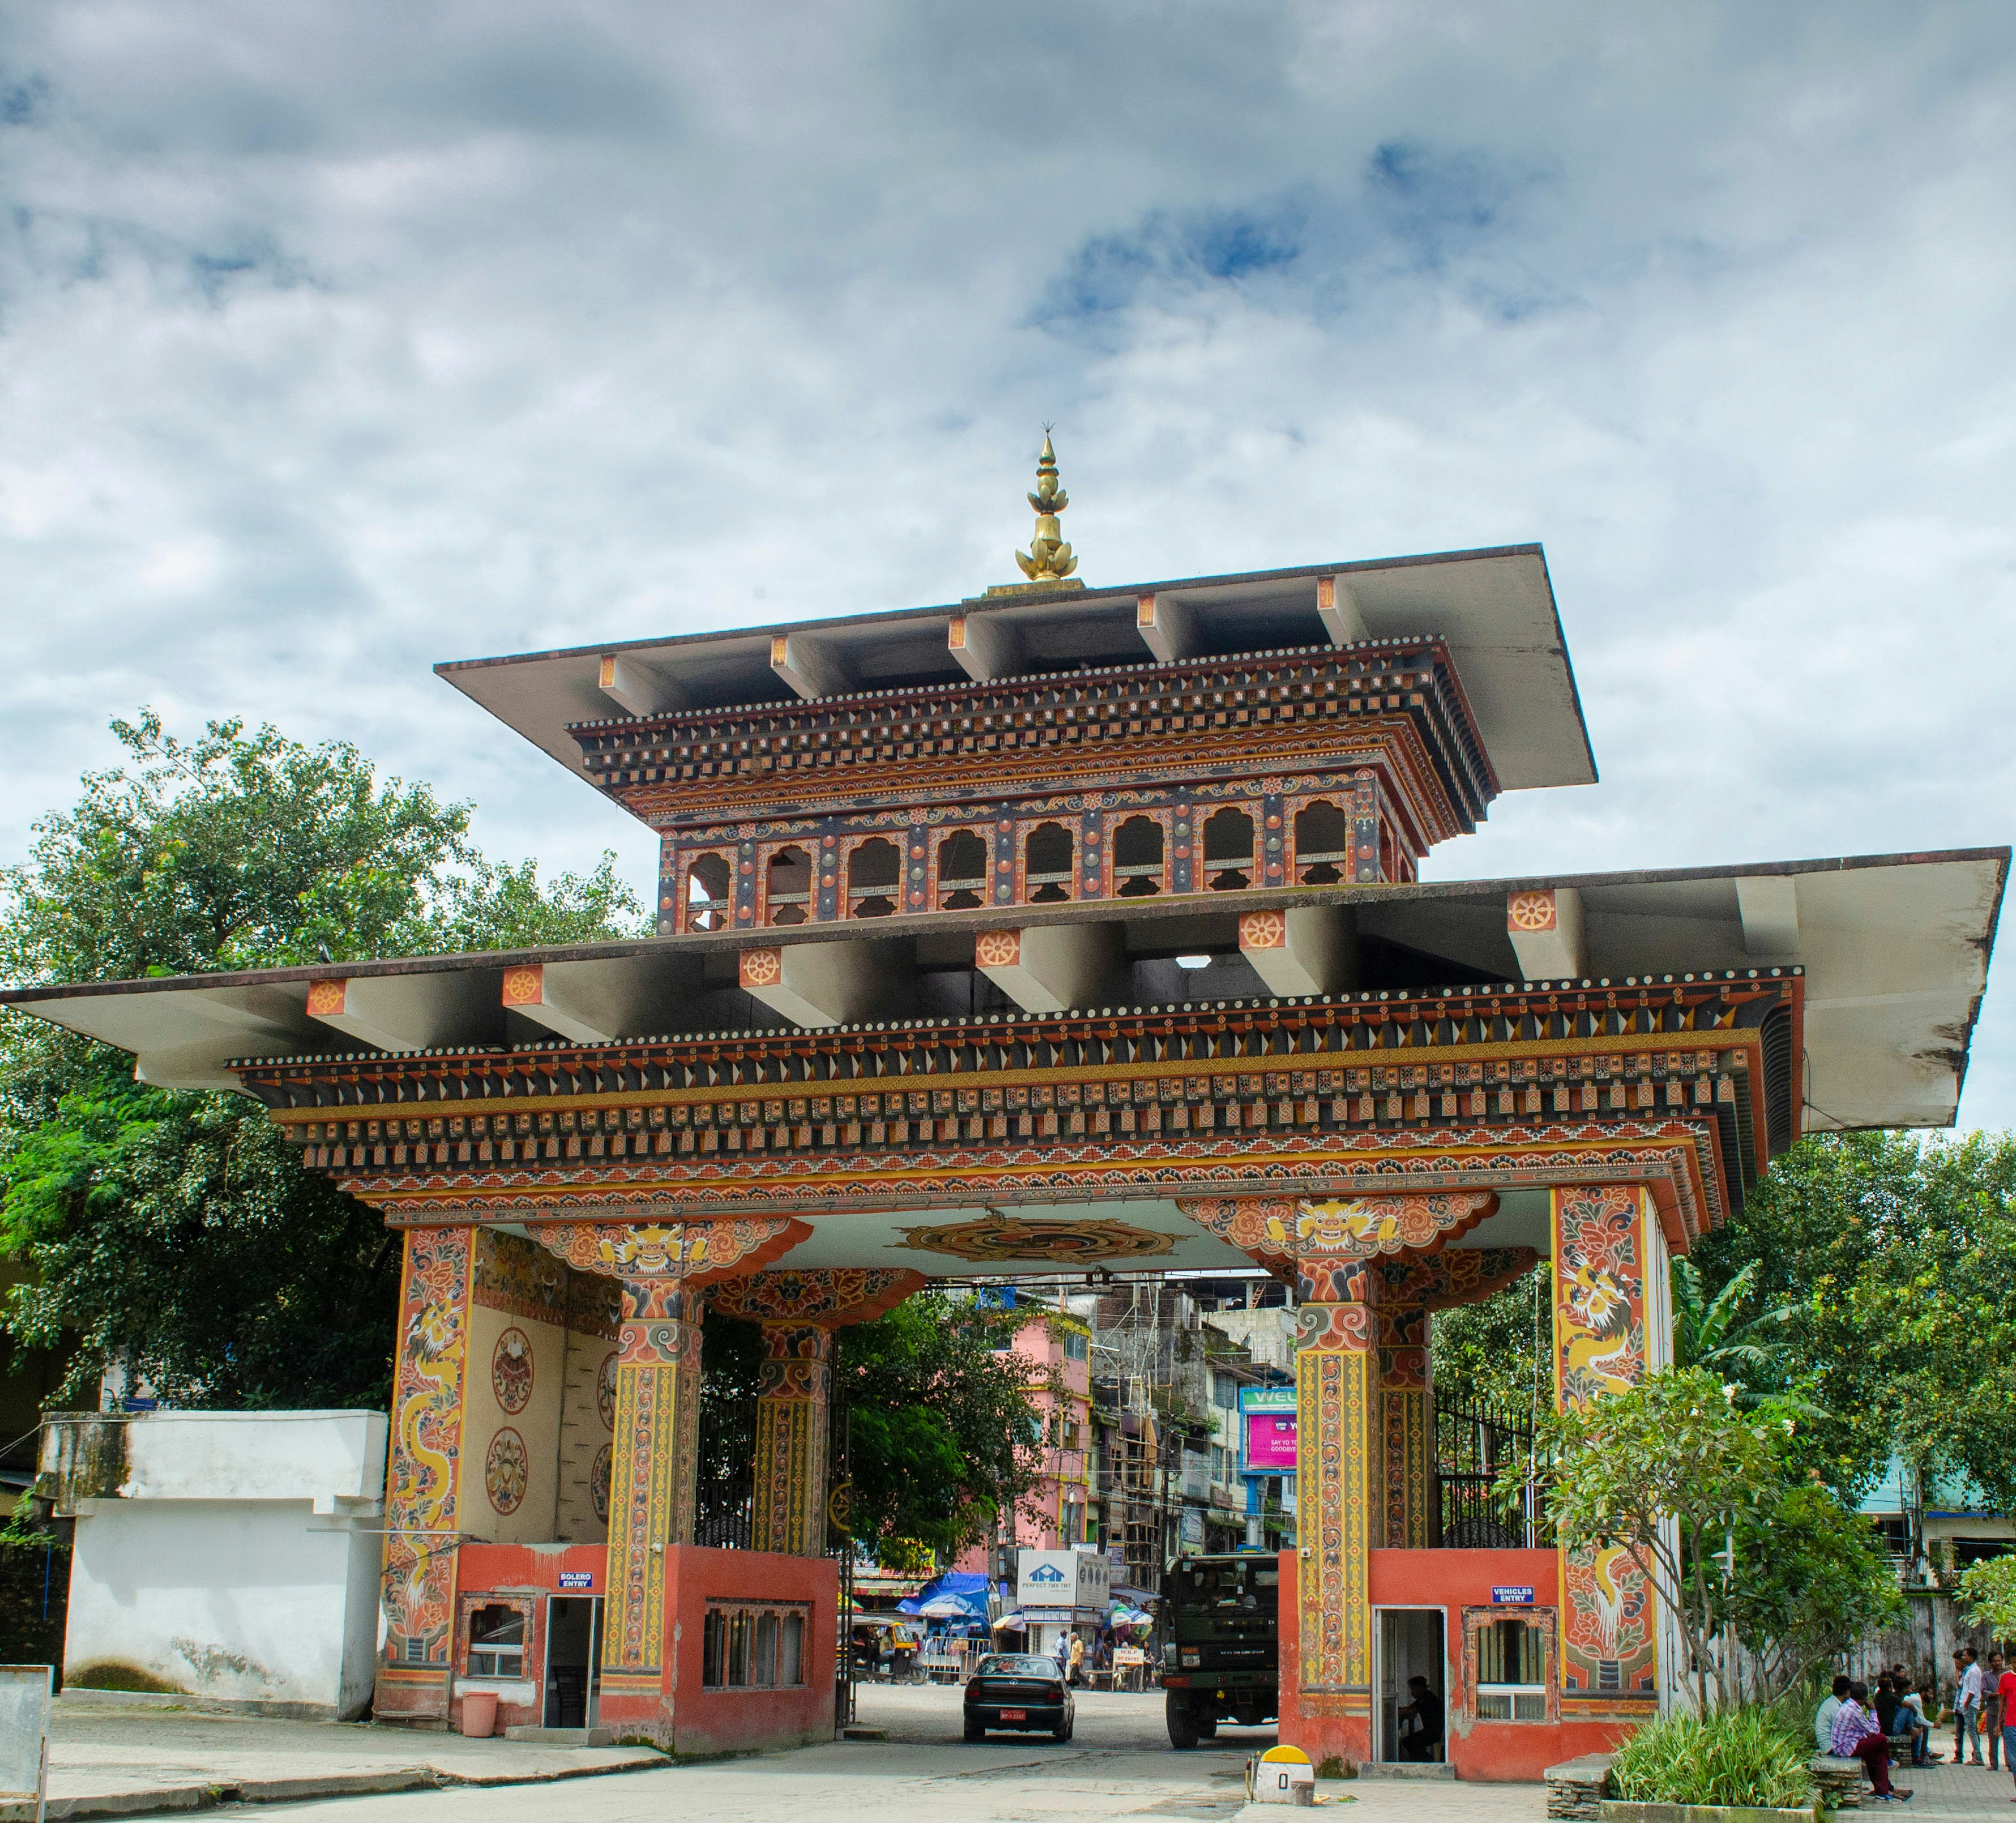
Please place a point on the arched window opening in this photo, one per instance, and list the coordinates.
(1323, 846)
(1137, 857)
(788, 892)
(1047, 858)
(874, 878)
(961, 872)
(1228, 851)
(707, 893)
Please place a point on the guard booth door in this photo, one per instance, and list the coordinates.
(1408, 1642)
(574, 1660)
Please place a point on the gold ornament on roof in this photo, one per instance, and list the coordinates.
(1048, 559)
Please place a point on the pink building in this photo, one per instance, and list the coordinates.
(1056, 1346)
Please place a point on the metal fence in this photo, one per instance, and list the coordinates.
(1473, 1440)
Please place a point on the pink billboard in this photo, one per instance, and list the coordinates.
(1270, 1439)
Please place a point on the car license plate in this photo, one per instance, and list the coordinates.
(1014, 1715)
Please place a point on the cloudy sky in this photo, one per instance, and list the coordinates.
(336, 340)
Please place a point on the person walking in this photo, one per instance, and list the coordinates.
(1992, 1713)
(1966, 1708)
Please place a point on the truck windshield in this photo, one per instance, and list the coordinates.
(1249, 1586)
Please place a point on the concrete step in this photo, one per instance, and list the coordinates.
(1406, 1769)
(561, 1737)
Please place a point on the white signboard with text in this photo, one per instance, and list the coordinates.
(1071, 1579)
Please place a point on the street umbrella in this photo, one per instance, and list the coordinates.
(1012, 1618)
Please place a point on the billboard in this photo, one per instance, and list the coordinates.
(1270, 1442)
(1267, 1430)
(1065, 1580)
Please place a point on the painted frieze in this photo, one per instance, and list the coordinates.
(1609, 1643)
(422, 1503)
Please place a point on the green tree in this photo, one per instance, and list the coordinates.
(940, 1418)
(944, 1434)
(1752, 1353)
(1498, 1350)
(1988, 1591)
(1895, 1256)
(168, 1229)
(1709, 1501)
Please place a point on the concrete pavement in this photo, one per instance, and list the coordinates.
(109, 1758)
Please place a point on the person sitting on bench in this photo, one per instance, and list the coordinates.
(1424, 1740)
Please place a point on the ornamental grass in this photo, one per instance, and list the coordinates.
(1748, 1756)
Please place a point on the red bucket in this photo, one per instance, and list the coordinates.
(479, 1714)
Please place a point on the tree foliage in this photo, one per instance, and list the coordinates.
(1499, 1349)
(1712, 1503)
(171, 1229)
(1988, 1592)
(945, 1433)
(1894, 1257)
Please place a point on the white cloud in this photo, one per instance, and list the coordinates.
(336, 341)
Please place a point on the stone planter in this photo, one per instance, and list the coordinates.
(1622, 1810)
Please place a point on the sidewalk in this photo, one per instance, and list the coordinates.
(125, 1759)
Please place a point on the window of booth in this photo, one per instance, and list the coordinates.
(754, 1645)
(1510, 1656)
(497, 1641)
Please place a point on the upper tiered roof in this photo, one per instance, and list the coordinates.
(1494, 609)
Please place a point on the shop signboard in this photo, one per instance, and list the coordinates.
(1267, 1420)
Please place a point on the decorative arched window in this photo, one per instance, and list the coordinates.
(787, 895)
(1322, 844)
(1228, 851)
(1046, 858)
(1137, 857)
(708, 879)
(874, 878)
(961, 872)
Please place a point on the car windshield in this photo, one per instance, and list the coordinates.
(1017, 1664)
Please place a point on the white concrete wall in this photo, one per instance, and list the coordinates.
(316, 1456)
(261, 1602)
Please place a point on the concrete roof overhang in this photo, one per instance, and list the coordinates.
(1494, 608)
(1894, 948)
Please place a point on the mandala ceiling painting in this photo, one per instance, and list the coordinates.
(996, 1238)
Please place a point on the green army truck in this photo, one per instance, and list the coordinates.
(1221, 1660)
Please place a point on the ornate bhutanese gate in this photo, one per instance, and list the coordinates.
(1356, 1146)
(1092, 936)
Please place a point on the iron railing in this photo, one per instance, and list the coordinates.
(1474, 1439)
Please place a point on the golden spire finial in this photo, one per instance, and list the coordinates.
(1049, 559)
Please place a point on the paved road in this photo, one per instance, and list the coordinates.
(1119, 1764)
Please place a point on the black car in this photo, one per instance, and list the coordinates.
(1020, 1690)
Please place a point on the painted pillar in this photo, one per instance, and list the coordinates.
(1336, 1368)
(650, 1492)
(793, 1397)
(1406, 1429)
(1604, 1242)
(423, 1472)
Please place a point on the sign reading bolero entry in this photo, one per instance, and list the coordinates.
(1062, 1585)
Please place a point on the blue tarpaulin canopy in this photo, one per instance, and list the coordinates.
(962, 1590)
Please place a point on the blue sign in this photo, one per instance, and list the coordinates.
(1513, 1598)
(577, 1579)
(1047, 1572)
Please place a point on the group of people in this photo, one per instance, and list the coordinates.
(1854, 1724)
(1984, 1710)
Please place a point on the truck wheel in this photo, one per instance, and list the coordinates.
(1182, 1728)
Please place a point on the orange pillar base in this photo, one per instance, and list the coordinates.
(1320, 1723)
